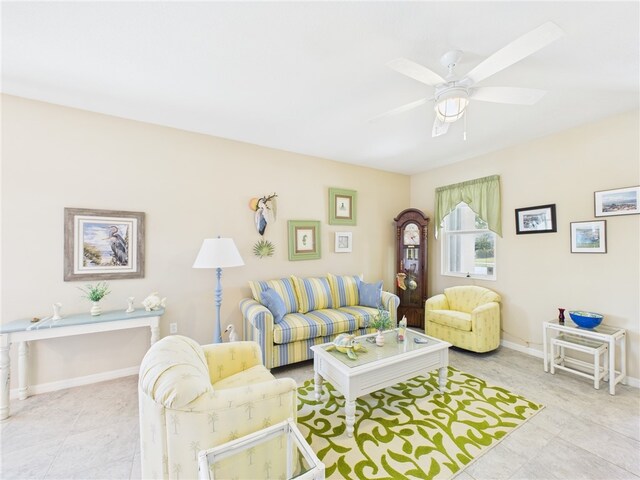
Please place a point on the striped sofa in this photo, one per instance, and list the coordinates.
(316, 311)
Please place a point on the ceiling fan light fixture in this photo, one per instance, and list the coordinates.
(451, 104)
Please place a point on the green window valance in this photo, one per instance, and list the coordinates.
(482, 195)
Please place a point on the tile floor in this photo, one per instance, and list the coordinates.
(91, 432)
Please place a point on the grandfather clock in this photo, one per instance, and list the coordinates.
(411, 275)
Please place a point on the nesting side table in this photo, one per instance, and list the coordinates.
(598, 339)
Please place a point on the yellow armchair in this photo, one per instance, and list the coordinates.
(465, 316)
(194, 397)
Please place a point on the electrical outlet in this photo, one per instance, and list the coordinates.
(173, 328)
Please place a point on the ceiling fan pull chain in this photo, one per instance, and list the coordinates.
(464, 135)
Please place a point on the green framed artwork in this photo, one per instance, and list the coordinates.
(304, 239)
(342, 206)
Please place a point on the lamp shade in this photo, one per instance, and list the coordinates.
(218, 253)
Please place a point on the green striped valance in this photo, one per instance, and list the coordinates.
(482, 195)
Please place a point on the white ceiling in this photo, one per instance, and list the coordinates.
(306, 77)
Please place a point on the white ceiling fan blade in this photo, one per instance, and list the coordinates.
(520, 48)
(416, 71)
(514, 95)
(439, 127)
(403, 108)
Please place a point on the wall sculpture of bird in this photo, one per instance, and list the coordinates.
(265, 208)
(233, 335)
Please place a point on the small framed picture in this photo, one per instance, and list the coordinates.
(589, 237)
(304, 239)
(342, 206)
(620, 201)
(103, 244)
(343, 242)
(539, 219)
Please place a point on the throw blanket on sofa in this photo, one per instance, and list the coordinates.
(288, 316)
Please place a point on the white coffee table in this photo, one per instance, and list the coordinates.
(379, 367)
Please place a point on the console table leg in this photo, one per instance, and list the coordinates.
(155, 333)
(4, 376)
(350, 416)
(23, 370)
(623, 358)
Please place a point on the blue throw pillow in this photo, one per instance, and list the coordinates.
(370, 294)
(273, 301)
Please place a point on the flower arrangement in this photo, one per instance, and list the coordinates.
(381, 321)
(95, 293)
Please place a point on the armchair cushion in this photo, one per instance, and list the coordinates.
(251, 376)
(465, 298)
(451, 318)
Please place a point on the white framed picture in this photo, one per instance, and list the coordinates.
(344, 242)
(589, 237)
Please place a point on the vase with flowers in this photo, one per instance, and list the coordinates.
(381, 321)
(95, 293)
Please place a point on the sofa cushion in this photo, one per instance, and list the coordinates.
(318, 323)
(370, 293)
(450, 318)
(273, 301)
(344, 290)
(312, 293)
(284, 287)
(363, 315)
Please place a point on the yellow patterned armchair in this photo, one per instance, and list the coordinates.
(465, 316)
(195, 397)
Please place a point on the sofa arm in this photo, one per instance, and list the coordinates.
(390, 302)
(258, 326)
(226, 359)
(437, 302)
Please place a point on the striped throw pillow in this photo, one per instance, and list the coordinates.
(312, 293)
(284, 287)
(344, 289)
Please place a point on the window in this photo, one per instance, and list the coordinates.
(469, 247)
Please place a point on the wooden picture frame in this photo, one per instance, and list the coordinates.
(304, 239)
(538, 219)
(342, 206)
(589, 237)
(103, 244)
(618, 201)
(344, 242)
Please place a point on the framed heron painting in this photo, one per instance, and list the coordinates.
(103, 244)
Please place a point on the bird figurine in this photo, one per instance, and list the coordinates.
(233, 335)
(265, 211)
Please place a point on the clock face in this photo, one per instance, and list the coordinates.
(411, 234)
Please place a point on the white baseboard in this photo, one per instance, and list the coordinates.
(77, 381)
(631, 381)
(125, 372)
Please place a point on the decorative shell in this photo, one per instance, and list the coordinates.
(263, 248)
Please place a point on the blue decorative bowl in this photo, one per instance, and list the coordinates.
(586, 319)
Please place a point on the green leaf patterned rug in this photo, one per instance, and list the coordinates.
(411, 430)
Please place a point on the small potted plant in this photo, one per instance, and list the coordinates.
(381, 321)
(95, 293)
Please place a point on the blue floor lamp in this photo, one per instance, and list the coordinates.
(218, 253)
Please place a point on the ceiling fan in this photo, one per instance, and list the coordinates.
(452, 94)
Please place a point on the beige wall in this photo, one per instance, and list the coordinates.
(191, 187)
(536, 274)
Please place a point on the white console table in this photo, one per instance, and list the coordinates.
(23, 331)
(602, 333)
